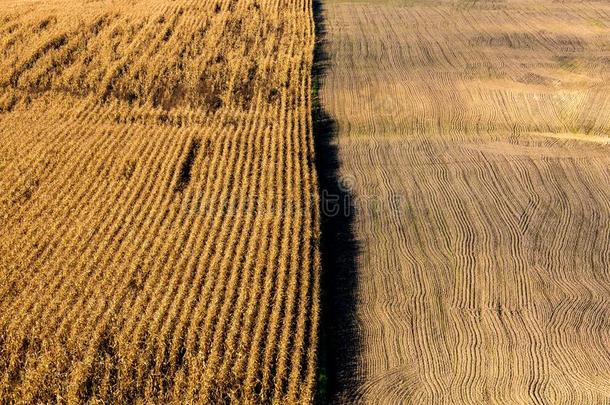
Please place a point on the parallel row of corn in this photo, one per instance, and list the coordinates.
(158, 206)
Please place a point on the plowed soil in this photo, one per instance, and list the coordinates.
(475, 135)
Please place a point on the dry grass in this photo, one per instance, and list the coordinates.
(476, 133)
(158, 206)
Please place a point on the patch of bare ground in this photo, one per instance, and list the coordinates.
(476, 136)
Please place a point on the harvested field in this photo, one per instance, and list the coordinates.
(475, 134)
(158, 202)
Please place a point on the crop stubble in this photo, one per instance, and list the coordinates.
(158, 203)
(476, 136)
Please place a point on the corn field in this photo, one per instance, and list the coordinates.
(158, 202)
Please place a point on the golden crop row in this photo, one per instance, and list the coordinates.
(158, 204)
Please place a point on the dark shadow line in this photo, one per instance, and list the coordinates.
(339, 343)
(187, 165)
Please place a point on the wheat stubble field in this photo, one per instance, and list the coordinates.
(476, 137)
(158, 202)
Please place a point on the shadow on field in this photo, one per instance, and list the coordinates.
(339, 340)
